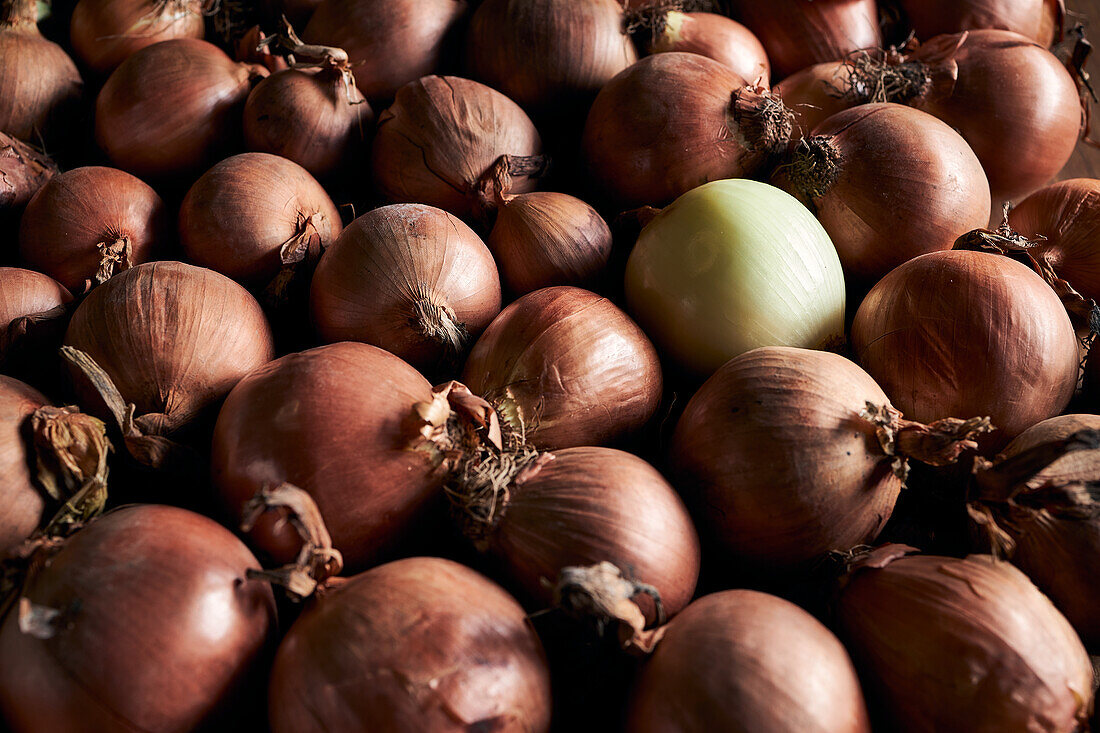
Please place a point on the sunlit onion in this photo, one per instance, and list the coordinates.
(1039, 20)
(714, 36)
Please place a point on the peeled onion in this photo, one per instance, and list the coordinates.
(717, 37)
(1039, 20)
(105, 32)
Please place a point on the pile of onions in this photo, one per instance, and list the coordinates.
(566, 368)
(146, 599)
(411, 279)
(815, 94)
(801, 33)
(952, 644)
(994, 340)
(32, 305)
(1039, 20)
(789, 454)
(172, 107)
(105, 32)
(390, 42)
(255, 216)
(89, 224)
(714, 36)
(40, 86)
(23, 170)
(674, 121)
(437, 144)
(551, 56)
(730, 657)
(730, 266)
(163, 343)
(888, 183)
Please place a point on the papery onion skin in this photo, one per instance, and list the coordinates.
(21, 502)
(354, 400)
(971, 645)
(27, 293)
(23, 170)
(105, 32)
(152, 598)
(995, 340)
(441, 136)
(567, 368)
(390, 42)
(238, 217)
(468, 661)
(814, 95)
(731, 266)
(91, 223)
(745, 660)
(411, 279)
(718, 37)
(32, 322)
(1038, 20)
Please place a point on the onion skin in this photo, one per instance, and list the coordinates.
(161, 602)
(730, 657)
(717, 37)
(25, 294)
(567, 368)
(1038, 20)
(170, 108)
(23, 170)
(939, 639)
(21, 501)
(411, 279)
(105, 32)
(469, 661)
(814, 95)
(995, 341)
(390, 42)
(88, 224)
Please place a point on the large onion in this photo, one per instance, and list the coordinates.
(1039, 20)
(962, 645)
(411, 279)
(566, 368)
(105, 32)
(713, 36)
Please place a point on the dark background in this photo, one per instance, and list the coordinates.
(1085, 162)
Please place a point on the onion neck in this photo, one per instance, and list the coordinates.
(603, 594)
(938, 444)
(492, 190)
(19, 15)
(115, 252)
(814, 166)
(439, 324)
(761, 120)
(885, 77)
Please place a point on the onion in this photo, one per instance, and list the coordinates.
(105, 32)
(566, 368)
(390, 42)
(1039, 20)
(789, 454)
(144, 600)
(801, 33)
(731, 266)
(162, 344)
(256, 217)
(674, 121)
(40, 86)
(89, 224)
(714, 36)
(171, 108)
(995, 340)
(23, 504)
(888, 183)
(962, 645)
(23, 170)
(411, 279)
(32, 318)
(815, 94)
(438, 142)
(728, 660)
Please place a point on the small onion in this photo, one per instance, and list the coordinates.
(994, 340)
(29, 302)
(566, 368)
(674, 121)
(144, 600)
(741, 660)
(23, 170)
(888, 183)
(105, 32)
(951, 644)
(411, 279)
(89, 224)
(715, 36)
(1039, 20)
(814, 95)
(734, 265)
(21, 502)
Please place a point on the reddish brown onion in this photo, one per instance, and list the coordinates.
(89, 224)
(21, 502)
(1039, 20)
(105, 32)
(814, 95)
(566, 368)
(146, 599)
(962, 645)
(674, 121)
(716, 37)
(411, 279)
(27, 298)
(728, 660)
(23, 170)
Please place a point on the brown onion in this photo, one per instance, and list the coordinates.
(105, 32)
(801, 33)
(438, 142)
(172, 107)
(674, 121)
(40, 85)
(962, 645)
(144, 600)
(1039, 20)
(566, 368)
(994, 340)
(716, 37)
(888, 183)
(748, 661)
(390, 42)
(21, 502)
(89, 224)
(411, 279)
(29, 303)
(23, 170)
(814, 95)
